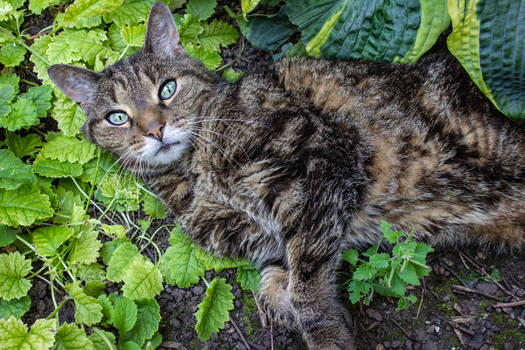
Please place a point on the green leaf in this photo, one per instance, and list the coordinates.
(105, 165)
(48, 239)
(14, 307)
(69, 149)
(180, 264)
(37, 6)
(94, 288)
(124, 315)
(133, 35)
(217, 34)
(232, 76)
(7, 92)
(148, 318)
(41, 97)
(129, 345)
(22, 146)
(379, 261)
(13, 268)
(132, 12)
(249, 278)
(85, 248)
(114, 230)
(14, 334)
(103, 340)
(214, 309)
(358, 289)
(352, 256)
(12, 80)
(109, 248)
(13, 172)
(70, 337)
(39, 57)
(122, 188)
(23, 206)
(12, 55)
(202, 9)
(121, 260)
(82, 9)
(409, 275)
(211, 59)
(22, 115)
(154, 207)
(248, 5)
(7, 235)
(487, 41)
(364, 272)
(56, 169)
(87, 309)
(142, 280)
(69, 115)
(267, 33)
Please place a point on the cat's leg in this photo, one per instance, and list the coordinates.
(324, 322)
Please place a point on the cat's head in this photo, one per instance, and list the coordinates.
(144, 108)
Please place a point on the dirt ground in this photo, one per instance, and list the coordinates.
(455, 308)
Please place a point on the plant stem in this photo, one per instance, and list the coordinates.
(93, 184)
(57, 309)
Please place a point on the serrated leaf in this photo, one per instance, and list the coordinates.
(14, 334)
(13, 269)
(121, 260)
(70, 337)
(109, 248)
(180, 264)
(211, 262)
(379, 261)
(68, 114)
(14, 307)
(124, 315)
(232, 76)
(217, 34)
(39, 57)
(13, 172)
(211, 59)
(48, 239)
(148, 318)
(22, 115)
(201, 9)
(85, 248)
(249, 278)
(23, 206)
(106, 163)
(123, 189)
(409, 275)
(37, 6)
(90, 8)
(133, 35)
(131, 12)
(351, 256)
(22, 146)
(358, 289)
(12, 80)
(87, 309)
(41, 97)
(364, 272)
(214, 310)
(11, 55)
(154, 207)
(142, 280)
(101, 339)
(69, 149)
(7, 92)
(7, 235)
(56, 169)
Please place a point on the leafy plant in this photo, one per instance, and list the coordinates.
(487, 36)
(385, 274)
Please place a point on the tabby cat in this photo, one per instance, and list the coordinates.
(290, 167)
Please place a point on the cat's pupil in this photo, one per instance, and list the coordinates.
(117, 118)
(168, 89)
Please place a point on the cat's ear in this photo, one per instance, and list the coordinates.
(76, 82)
(162, 36)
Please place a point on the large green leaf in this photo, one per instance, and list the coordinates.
(48, 239)
(85, 248)
(14, 334)
(131, 12)
(70, 337)
(23, 206)
(87, 309)
(55, 168)
(488, 41)
(22, 146)
(376, 30)
(13, 269)
(148, 318)
(120, 260)
(214, 309)
(13, 172)
(142, 280)
(22, 115)
(180, 264)
(124, 315)
(82, 9)
(69, 149)
(14, 307)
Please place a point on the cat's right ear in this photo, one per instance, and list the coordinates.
(76, 82)
(162, 37)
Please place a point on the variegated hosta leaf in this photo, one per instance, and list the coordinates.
(376, 29)
(488, 41)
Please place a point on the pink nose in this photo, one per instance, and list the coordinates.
(155, 131)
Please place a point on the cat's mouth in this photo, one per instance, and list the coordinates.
(167, 146)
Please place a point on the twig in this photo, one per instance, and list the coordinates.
(455, 275)
(516, 303)
(420, 302)
(482, 269)
(240, 333)
(469, 290)
(458, 327)
(402, 329)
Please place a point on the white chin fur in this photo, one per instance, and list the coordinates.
(178, 140)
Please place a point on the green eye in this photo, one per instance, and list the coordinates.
(168, 89)
(117, 118)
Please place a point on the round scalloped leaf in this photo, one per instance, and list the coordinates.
(14, 334)
(369, 29)
(23, 206)
(70, 337)
(13, 172)
(215, 308)
(14, 307)
(13, 269)
(488, 41)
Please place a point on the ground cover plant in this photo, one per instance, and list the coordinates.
(68, 213)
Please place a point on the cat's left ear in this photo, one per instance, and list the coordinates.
(162, 36)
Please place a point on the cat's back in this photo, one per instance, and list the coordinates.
(444, 157)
